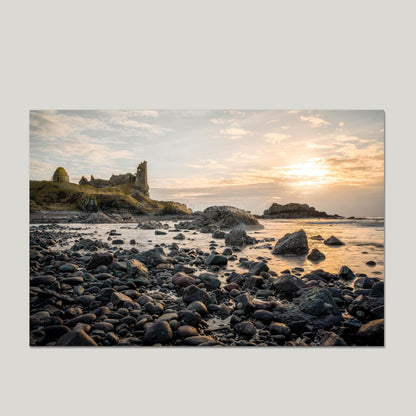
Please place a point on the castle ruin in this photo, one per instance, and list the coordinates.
(138, 181)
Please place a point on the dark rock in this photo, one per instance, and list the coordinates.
(99, 259)
(317, 302)
(186, 331)
(216, 259)
(246, 328)
(218, 234)
(73, 280)
(244, 302)
(182, 280)
(136, 268)
(193, 293)
(236, 237)
(42, 280)
(68, 268)
(152, 257)
(118, 298)
(53, 332)
(370, 263)
(277, 328)
(251, 282)
(263, 315)
(331, 339)
(190, 317)
(158, 332)
(363, 283)
(180, 236)
(377, 290)
(76, 338)
(154, 308)
(198, 307)
(288, 285)
(210, 280)
(346, 273)
(333, 241)
(377, 312)
(292, 243)
(258, 267)
(372, 333)
(225, 217)
(316, 255)
(224, 311)
(294, 210)
(199, 339)
(86, 318)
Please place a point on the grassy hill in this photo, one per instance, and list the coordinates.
(59, 196)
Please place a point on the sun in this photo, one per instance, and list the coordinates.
(309, 173)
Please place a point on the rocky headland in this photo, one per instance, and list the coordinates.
(294, 210)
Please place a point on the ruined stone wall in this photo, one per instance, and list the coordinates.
(141, 179)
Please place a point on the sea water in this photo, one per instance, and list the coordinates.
(364, 241)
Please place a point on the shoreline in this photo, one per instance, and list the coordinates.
(56, 217)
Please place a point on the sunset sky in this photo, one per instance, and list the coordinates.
(332, 160)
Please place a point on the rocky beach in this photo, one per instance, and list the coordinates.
(212, 279)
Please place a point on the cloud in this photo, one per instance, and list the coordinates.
(222, 121)
(50, 124)
(341, 124)
(276, 137)
(208, 163)
(318, 146)
(234, 133)
(315, 122)
(129, 121)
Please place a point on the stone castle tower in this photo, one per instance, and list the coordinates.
(141, 179)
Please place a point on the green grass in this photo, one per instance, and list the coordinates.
(58, 196)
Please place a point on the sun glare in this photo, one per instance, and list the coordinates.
(310, 173)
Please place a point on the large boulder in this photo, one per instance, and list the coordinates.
(292, 243)
(318, 302)
(228, 217)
